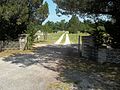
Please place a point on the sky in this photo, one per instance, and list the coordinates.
(53, 17)
(52, 13)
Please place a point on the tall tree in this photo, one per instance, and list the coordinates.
(74, 24)
(15, 16)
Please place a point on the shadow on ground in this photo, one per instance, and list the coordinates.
(89, 75)
(82, 73)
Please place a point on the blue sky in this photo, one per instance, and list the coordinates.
(52, 13)
(53, 17)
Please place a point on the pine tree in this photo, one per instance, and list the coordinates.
(16, 15)
(74, 24)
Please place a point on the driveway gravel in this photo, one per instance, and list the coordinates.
(49, 65)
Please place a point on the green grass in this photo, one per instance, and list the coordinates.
(83, 34)
(59, 86)
(51, 38)
(74, 37)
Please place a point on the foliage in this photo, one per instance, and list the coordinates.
(98, 37)
(114, 34)
(88, 6)
(42, 13)
(45, 29)
(12, 18)
(110, 8)
(56, 26)
(97, 30)
(74, 24)
(62, 25)
(86, 27)
(16, 16)
(32, 29)
(16, 9)
(10, 30)
(49, 27)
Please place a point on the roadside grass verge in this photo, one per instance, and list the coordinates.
(74, 37)
(59, 86)
(51, 38)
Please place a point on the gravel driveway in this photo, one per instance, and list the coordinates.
(48, 65)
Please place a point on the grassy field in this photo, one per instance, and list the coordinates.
(51, 38)
(74, 37)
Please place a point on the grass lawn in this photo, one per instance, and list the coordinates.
(74, 37)
(51, 38)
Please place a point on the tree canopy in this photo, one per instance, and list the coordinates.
(89, 6)
(96, 8)
(16, 15)
(56, 26)
(74, 24)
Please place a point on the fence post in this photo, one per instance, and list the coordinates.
(79, 47)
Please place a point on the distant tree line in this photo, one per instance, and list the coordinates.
(73, 26)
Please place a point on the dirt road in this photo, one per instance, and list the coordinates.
(47, 68)
(60, 39)
(67, 40)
